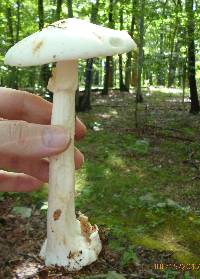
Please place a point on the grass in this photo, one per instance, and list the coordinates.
(144, 188)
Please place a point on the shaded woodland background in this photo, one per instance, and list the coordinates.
(141, 176)
(167, 33)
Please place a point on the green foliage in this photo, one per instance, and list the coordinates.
(114, 275)
(129, 256)
(141, 147)
(44, 206)
(170, 274)
(173, 274)
(24, 212)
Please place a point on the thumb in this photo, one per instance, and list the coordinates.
(32, 140)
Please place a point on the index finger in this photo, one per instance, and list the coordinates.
(21, 105)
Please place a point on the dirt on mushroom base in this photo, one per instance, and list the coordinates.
(158, 166)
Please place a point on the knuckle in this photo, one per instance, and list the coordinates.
(22, 108)
(18, 132)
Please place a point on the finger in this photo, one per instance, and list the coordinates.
(18, 182)
(79, 159)
(21, 105)
(80, 129)
(23, 139)
(36, 168)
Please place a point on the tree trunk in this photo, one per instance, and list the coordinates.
(12, 82)
(18, 20)
(108, 78)
(70, 8)
(45, 72)
(10, 26)
(41, 14)
(161, 70)
(122, 87)
(139, 97)
(84, 100)
(58, 9)
(17, 39)
(191, 57)
(129, 54)
(172, 68)
(184, 75)
(175, 47)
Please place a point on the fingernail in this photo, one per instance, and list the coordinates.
(55, 137)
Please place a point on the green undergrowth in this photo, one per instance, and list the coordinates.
(144, 188)
(135, 199)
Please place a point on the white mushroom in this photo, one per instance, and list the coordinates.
(72, 243)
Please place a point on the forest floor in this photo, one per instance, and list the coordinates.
(140, 185)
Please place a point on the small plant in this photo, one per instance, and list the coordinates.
(129, 256)
(141, 147)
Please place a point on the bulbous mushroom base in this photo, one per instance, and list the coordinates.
(83, 251)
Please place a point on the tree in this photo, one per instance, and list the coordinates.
(139, 97)
(108, 75)
(84, 100)
(45, 71)
(13, 78)
(122, 86)
(18, 20)
(40, 14)
(58, 9)
(70, 8)
(161, 75)
(189, 5)
(129, 55)
(174, 45)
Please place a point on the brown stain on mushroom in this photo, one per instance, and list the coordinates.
(37, 46)
(86, 228)
(60, 24)
(74, 255)
(56, 214)
(97, 35)
(65, 241)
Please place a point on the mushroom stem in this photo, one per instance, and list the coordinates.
(68, 243)
(61, 209)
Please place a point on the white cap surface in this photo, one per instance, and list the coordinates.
(68, 39)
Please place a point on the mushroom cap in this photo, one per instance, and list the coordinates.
(68, 39)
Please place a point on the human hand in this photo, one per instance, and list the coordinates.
(26, 138)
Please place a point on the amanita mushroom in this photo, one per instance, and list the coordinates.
(72, 243)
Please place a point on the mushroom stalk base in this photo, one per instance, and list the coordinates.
(72, 243)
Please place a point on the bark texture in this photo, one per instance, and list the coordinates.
(189, 4)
